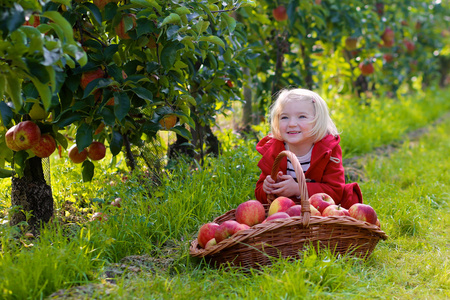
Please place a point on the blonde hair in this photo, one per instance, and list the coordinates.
(322, 123)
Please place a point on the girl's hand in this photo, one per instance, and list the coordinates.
(268, 185)
(286, 186)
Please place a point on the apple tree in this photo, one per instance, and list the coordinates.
(111, 73)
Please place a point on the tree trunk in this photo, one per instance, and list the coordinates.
(31, 195)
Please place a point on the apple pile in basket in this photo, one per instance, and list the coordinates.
(252, 212)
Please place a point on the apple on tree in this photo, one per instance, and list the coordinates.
(388, 35)
(26, 135)
(76, 156)
(280, 204)
(9, 139)
(96, 151)
(363, 212)
(250, 212)
(366, 68)
(102, 3)
(37, 112)
(89, 76)
(351, 43)
(321, 201)
(280, 13)
(168, 121)
(121, 28)
(206, 233)
(335, 210)
(45, 147)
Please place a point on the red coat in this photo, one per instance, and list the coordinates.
(326, 172)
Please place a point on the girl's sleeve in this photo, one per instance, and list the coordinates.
(260, 195)
(333, 179)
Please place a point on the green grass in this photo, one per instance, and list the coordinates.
(408, 188)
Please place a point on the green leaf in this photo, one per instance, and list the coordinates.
(147, 3)
(123, 107)
(62, 140)
(180, 130)
(63, 23)
(171, 19)
(231, 22)
(116, 143)
(13, 88)
(6, 173)
(143, 93)
(169, 54)
(19, 162)
(88, 170)
(213, 39)
(84, 136)
(44, 91)
(6, 113)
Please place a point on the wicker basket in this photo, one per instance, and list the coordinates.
(286, 238)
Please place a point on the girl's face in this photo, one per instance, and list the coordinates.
(296, 124)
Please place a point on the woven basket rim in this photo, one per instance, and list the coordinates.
(258, 229)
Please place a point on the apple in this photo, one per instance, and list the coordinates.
(280, 13)
(230, 83)
(366, 68)
(102, 3)
(89, 76)
(388, 57)
(121, 29)
(280, 204)
(98, 216)
(277, 215)
(168, 121)
(26, 135)
(320, 201)
(96, 151)
(363, 212)
(9, 139)
(226, 229)
(99, 128)
(76, 156)
(351, 43)
(378, 223)
(45, 147)
(296, 211)
(379, 8)
(388, 35)
(250, 212)
(335, 210)
(410, 47)
(210, 243)
(117, 202)
(206, 232)
(37, 112)
(318, 2)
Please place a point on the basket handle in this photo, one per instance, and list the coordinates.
(306, 211)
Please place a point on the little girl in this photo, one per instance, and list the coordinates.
(300, 123)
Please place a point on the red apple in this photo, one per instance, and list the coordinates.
(102, 3)
(76, 156)
(366, 68)
(280, 204)
(388, 35)
(226, 229)
(230, 83)
(168, 121)
(117, 202)
(277, 215)
(9, 139)
(210, 243)
(206, 233)
(320, 201)
(335, 210)
(120, 29)
(250, 212)
(388, 57)
(45, 147)
(351, 43)
(280, 13)
(363, 212)
(89, 76)
(410, 47)
(96, 151)
(296, 211)
(26, 135)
